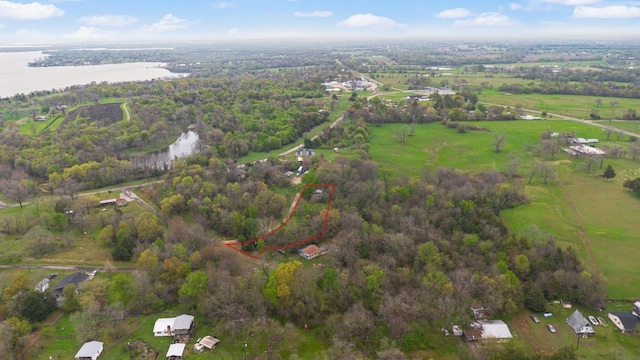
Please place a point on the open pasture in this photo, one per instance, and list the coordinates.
(593, 215)
(577, 106)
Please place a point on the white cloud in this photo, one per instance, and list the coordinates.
(170, 22)
(485, 19)
(317, 13)
(233, 30)
(223, 5)
(607, 12)
(28, 11)
(513, 6)
(570, 2)
(454, 13)
(28, 34)
(368, 20)
(108, 20)
(87, 32)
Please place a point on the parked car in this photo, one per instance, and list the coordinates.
(535, 319)
(445, 332)
(551, 328)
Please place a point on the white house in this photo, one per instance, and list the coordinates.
(177, 326)
(90, 351)
(163, 327)
(175, 351)
(488, 329)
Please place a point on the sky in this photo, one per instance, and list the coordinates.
(68, 21)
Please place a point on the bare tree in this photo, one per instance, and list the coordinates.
(598, 102)
(69, 187)
(589, 163)
(14, 190)
(608, 131)
(499, 141)
(634, 149)
(532, 171)
(402, 133)
(549, 147)
(546, 172)
(514, 166)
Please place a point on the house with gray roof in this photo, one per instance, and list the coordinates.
(72, 279)
(580, 324)
(627, 322)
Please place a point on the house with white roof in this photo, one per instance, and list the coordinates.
(90, 351)
(179, 326)
(175, 351)
(487, 330)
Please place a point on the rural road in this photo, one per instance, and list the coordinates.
(133, 196)
(564, 117)
(297, 147)
(65, 267)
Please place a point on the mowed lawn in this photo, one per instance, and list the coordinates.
(594, 216)
(542, 341)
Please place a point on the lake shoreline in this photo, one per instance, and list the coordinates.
(20, 78)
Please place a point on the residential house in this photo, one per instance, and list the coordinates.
(90, 351)
(627, 322)
(182, 326)
(312, 251)
(175, 351)
(106, 202)
(624, 321)
(487, 330)
(73, 279)
(163, 327)
(41, 118)
(580, 324)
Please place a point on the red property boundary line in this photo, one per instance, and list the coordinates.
(237, 246)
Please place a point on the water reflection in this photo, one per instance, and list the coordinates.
(185, 145)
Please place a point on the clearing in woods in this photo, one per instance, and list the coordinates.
(316, 189)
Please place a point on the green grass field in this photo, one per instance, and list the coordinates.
(566, 208)
(570, 105)
(540, 340)
(628, 125)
